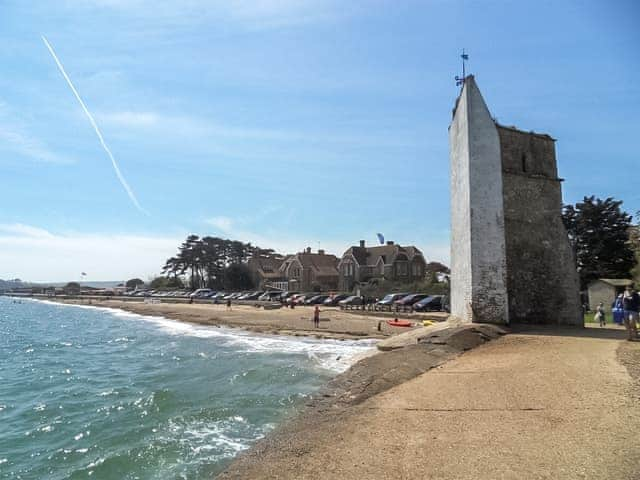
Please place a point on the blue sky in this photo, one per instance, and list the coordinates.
(286, 123)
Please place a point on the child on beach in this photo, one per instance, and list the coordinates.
(316, 317)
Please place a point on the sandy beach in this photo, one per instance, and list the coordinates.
(335, 323)
(528, 405)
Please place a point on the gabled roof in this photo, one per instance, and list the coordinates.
(359, 253)
(318, 261)
(370, 256)
(323, 264)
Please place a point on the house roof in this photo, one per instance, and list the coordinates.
(359, 253)
(317, 261)
(616, 282)
(268, 266)
(388, 253)
(267, 263)
(323, 264)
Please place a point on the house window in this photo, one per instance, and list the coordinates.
(401, 268)
(416, 270)
(348, 269)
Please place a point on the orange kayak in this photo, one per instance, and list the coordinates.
(399, 323)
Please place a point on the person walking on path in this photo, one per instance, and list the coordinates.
(316, 317)
(617, 310)
(631, 305)
(599, 317)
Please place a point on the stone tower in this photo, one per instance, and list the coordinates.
(510, 255)
(478, 253)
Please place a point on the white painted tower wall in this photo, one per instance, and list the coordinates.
(478, 252)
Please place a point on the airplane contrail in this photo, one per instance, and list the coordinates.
(124, 183)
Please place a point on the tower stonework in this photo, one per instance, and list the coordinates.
(478, 251)
(510, 254)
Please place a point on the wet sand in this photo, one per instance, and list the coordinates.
(335, 323)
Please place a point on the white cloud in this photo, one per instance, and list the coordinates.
(179, 127)
(15, 140)
(22, 230)
(35, 254)
(284, 240)
(280, 239)
(224, 224)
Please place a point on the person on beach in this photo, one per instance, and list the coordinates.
(316, 317)
(599, 316)
(631, 305)
(228, 304)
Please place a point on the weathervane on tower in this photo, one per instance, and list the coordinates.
(460, 80)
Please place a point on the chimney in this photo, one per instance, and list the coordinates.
(389, 242)
(308, 250)
(361, 243)
(320, 252)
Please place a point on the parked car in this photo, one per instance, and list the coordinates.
(293, 299)
(333, 301)
(316, 300)
(202, 293)
(251, 295)
(432, 303)
(270, 295)
(388, 300)
(287, 295)
(350, 301)
(300, 299)
(410, 300)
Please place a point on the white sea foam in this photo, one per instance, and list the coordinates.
(223, 438)
(333, 355)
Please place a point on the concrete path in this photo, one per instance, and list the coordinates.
(535, 404)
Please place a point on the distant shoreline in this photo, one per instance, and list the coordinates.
(335, 324)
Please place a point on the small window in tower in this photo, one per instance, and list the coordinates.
(524, 162)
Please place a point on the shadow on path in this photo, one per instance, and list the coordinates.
(608, 332)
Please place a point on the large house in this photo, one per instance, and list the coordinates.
(265, 271)
(360, 264)
(311, 272)
(302, 272)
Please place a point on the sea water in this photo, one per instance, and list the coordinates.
(104, 394)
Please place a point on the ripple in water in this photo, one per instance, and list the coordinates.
(98, 393)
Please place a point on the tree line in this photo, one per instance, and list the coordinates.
(605, 241)
(212, 262)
